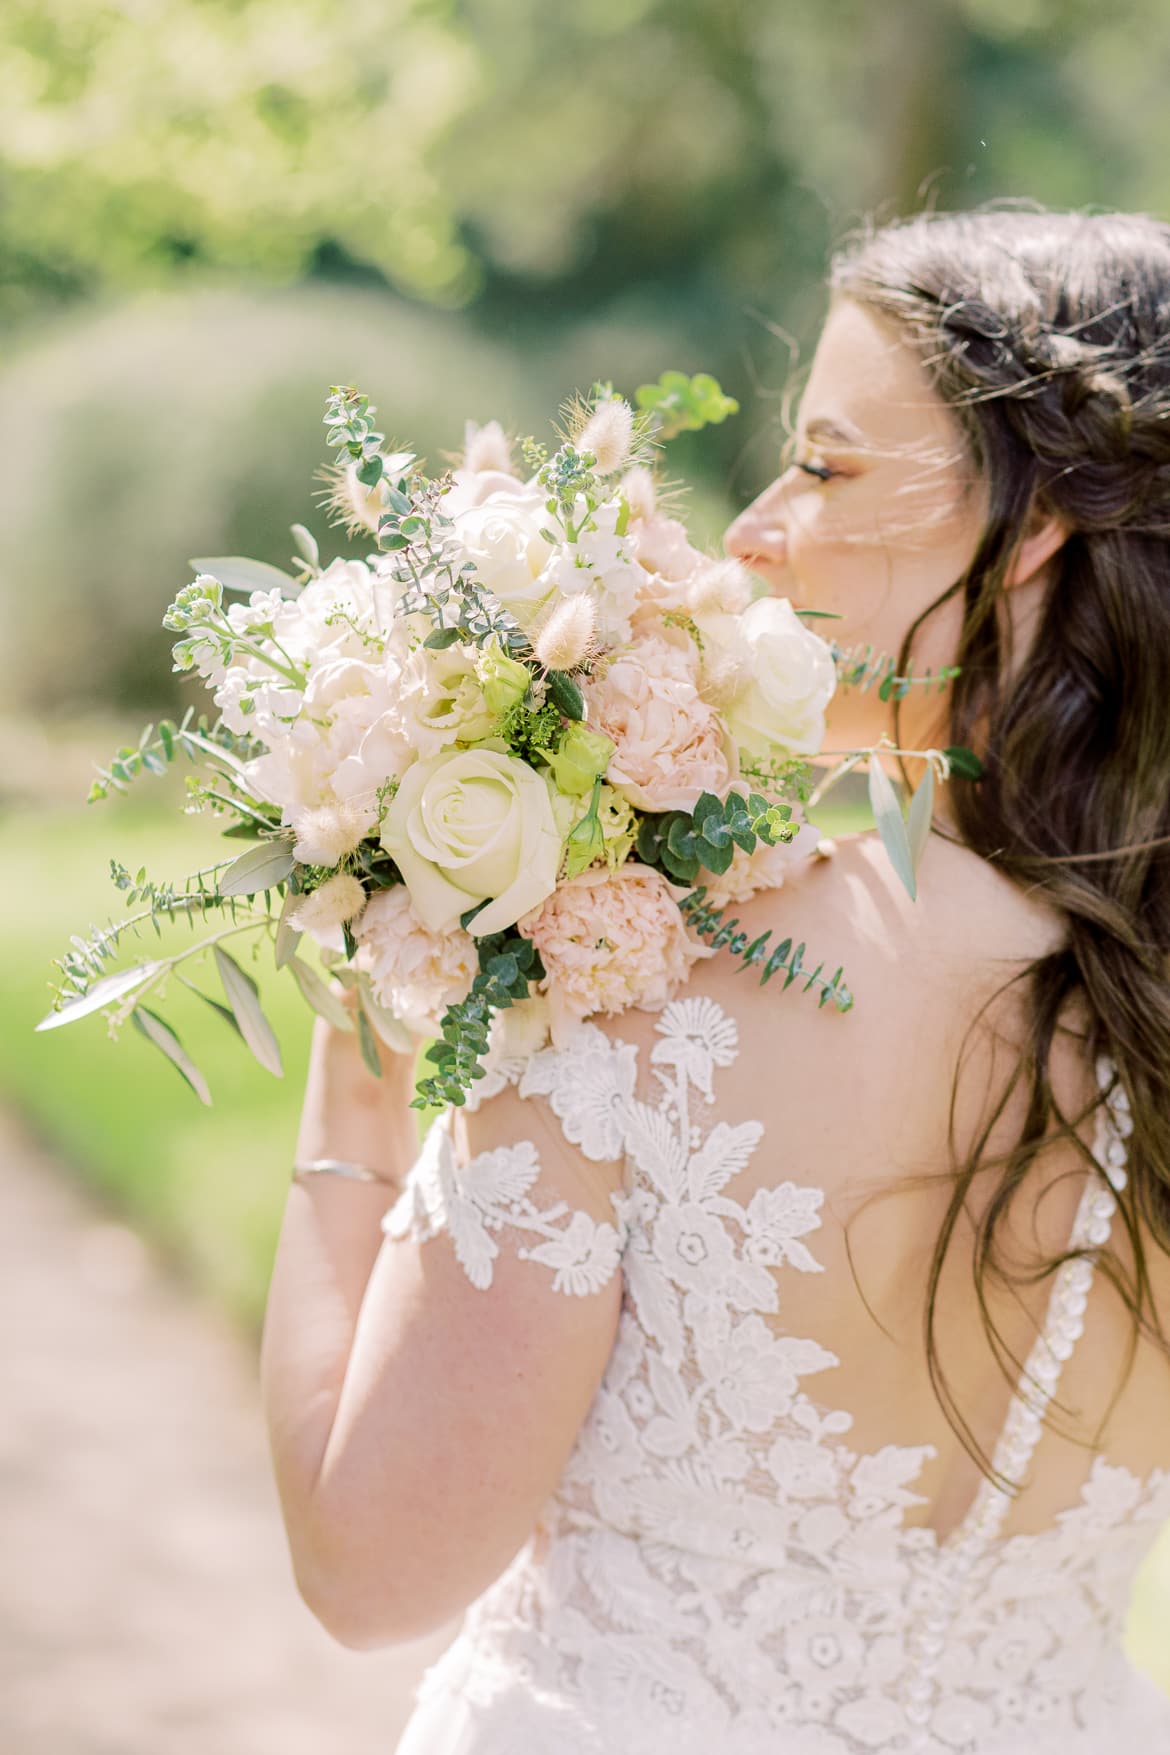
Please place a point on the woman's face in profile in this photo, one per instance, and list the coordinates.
(878, 511)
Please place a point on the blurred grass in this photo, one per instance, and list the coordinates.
(207, 1185)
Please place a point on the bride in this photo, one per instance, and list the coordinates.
(853, 1428)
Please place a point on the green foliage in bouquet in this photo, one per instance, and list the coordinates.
(681, 843)
(508, 965)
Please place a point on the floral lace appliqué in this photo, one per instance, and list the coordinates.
(474, 1202)
(718, 1569)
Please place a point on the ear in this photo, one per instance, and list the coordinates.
(1044, 533)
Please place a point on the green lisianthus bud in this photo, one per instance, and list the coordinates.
(504, 680)
(581, 758)
(586, 840)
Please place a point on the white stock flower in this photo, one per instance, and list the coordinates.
(600, 564)
(345, 752)
(467, 826)
(255, 702)
(316, 625)
(776, 677)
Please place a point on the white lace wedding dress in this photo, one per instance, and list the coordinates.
(718, 1570)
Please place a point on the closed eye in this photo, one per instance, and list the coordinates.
(817, 469)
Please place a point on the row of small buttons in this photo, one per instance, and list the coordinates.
(1063, 1327)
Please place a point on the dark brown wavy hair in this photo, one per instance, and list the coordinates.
(1048, 335)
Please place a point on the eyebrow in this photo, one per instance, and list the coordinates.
(844, 432)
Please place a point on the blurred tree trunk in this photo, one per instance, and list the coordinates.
(915, 51)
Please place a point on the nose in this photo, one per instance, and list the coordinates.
(758, 533)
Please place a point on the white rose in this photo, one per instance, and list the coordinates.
(470, 825)
(778, 677)
(503, 538)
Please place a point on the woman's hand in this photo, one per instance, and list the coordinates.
(350, 1114)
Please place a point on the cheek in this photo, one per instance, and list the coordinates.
(837, 549)
(872, 537)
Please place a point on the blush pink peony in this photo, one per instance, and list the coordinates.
(414, 972)
(609, 940)
(670, 743)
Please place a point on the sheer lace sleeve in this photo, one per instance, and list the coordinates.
(507, 1192)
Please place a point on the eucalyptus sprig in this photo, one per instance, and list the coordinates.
(436, 582)
(709, 923)
(681, 843)
(859, 667)
(156, 749)
(508, 965)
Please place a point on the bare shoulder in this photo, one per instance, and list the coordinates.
(966, 911)
(921, 972)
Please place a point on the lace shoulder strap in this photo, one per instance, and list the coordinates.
(1022, 1429)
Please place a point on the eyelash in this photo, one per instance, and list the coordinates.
(817, 469)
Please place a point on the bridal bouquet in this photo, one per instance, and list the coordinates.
(505, 771)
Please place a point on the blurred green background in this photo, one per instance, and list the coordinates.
(211, 211)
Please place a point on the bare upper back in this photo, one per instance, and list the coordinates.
(859, 1105)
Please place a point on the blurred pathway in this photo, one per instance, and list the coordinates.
(147, 1605)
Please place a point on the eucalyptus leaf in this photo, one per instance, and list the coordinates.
(316, 994)
(221, 1011)
(964, 762)
(389, 1029)
(369, 1045)
(103, 992)
(891, 827)
(307, 543)
(919, 816)
(260, 868)
(287, 937)
(239, 573)
(244, 998)
(156, 1030)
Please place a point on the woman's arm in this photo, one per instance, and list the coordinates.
(419, 1421)
(328, 1244)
